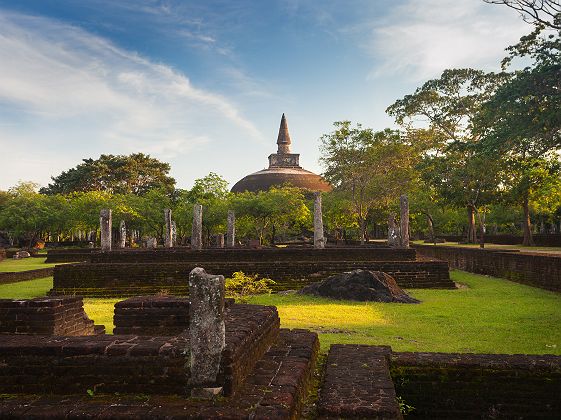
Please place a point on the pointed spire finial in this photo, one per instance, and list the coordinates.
(283, 140)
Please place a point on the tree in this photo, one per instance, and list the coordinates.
(537, 12)
(447, 107)
(134, 174)
(369, 168)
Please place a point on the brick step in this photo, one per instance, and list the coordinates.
(357, 383)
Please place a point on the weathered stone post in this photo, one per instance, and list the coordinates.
(319, 239)
(207, 332)
(173, 233)
(404, 207)
(105, 227)
(231, 235)
(197, 230)
(220, 240)
(393, 232)
(168, 237)
(122, 234)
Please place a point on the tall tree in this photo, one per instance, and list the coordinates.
(370, 168)
(537, 12)
(117, 174)
(446, 108)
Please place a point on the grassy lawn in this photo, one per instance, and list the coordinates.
(11, 265)
(488, 315)
(521, 248)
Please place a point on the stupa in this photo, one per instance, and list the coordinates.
(284, 168)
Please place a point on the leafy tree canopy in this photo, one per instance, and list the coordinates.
(116, 174)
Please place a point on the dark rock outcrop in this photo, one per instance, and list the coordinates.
(361, 285)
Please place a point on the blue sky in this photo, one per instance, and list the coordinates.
(202, 84)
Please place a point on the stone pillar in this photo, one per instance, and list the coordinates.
(197, 230)
(319, 239)
(173, 233)
(122, 234)
(220, 240)
(207, 332)
(151, 243)
(231, 235)
(105, 227)
(168, 236)
(404, 207)
(393, 232)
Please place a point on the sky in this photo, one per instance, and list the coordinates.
(202, 84)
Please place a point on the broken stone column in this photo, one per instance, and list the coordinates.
(122, 234)
(393, 232)
(404, 207)
(207, 332)
(197, 230)
(220, 240)
(231, 235)
(168, 237)
(105, 227)
(319, 239)
(151, 243)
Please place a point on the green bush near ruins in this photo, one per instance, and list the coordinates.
(486, 315)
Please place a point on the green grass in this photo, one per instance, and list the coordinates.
(489, 315)
(11, 265)
(521, 248)
(26, 289)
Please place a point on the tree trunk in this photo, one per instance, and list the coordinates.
(471, 236)
(481, 230)
(527, 224)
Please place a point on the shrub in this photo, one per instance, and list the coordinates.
(241, 286)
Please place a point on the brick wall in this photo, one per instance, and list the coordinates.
(26, 275)
(46, 316)
(69, 255)
(89, 279)
(536, 270)
(131, 363)
(440, 385)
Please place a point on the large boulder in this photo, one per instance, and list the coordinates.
(361, 285)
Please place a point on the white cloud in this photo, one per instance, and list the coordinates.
(420, 39)
(83, 94)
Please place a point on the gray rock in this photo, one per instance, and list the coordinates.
(361, 285)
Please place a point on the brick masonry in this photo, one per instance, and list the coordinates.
(61, 316)
(275, 389)
(130, 363)
(26, 275)
(69, 255)
(536, 270)
(540, 239)
(440, 385)
(133, 279)
(357, 383)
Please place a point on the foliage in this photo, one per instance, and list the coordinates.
(404, 408)
(119, 174)
(370, 169)
(241, 286)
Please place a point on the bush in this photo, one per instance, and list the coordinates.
(241, 286)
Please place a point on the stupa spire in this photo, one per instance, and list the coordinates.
(283, 140)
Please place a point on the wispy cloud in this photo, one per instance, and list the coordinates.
(61, 76)
(421, 39)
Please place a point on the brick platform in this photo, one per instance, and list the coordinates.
(130, 363)
(133, 279)
(357, 383)
(274, 390)
(63, 316)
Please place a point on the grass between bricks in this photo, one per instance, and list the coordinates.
(487, 315)
(25, 264)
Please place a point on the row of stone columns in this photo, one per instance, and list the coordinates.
(197, 228)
